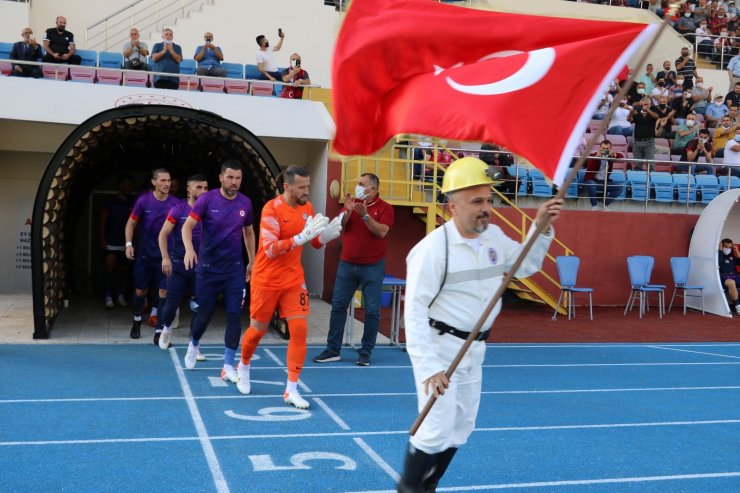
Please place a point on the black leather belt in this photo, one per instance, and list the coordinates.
(443, 328)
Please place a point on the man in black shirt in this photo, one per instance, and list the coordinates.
(644, 118)
(728, 258)
(733, 97)
(60, 44)
(695, 148)
(667, 74)
(665, 118)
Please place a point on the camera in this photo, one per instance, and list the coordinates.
(208, 40)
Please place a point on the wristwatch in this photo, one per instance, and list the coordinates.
(366, 217)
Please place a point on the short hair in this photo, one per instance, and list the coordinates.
(374, 181)
(727, 240)
(232, 164)
(606, 141)
(197, 177)
(703, 131)
(260, 38)
(167, 29)
(292, 171)
(157, 171)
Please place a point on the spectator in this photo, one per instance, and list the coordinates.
(644, 145)
(733, 114)
(640, 92)
(687, 130)
(732, 154)
(656, 7)
(665, 118)
(676, 91)
(733, 70)
(723, 49)
(603, 108)
(167, 55)
(686, 26)
(660, 90)
(719, 21)
(28, 50)
(366, 222)
(209, 58)
(598, 177)
(682, 106)
(668, 75)
(686, 67)
(499, 162)
(620, 124)
(716, 111)
(295, 75)
(700, 14)
(135, 52)
(60, 44)
(728, 259)
(722, 133)
(648, 78)
(266, 58)
(696, 148)
(733, 97)
(701, 95)
(705, 46)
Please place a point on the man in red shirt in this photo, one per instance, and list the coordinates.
(367, 220)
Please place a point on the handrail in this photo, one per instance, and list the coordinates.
(95, 24)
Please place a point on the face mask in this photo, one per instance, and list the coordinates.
(703, 26)
(700, 85)
(624, 101)
(723, 34)
(662, 106)
(292, 63)
(690, 123)
(726, 251)
(641, 91)
(661, 83)
(703, 141)
(737, 137)
(687, 94)
(360, 192)
(679, 82)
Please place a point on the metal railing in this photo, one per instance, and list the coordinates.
(716, 54)
(146, 15)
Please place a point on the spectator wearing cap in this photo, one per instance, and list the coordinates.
(28, 50)
(715, 111)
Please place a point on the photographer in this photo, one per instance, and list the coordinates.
(209, 58)
(597, 177)
(28, 49)
(135, 52)
(696, 148)
(167, 55)
(644, 119)
(297, 76)
(266, 63)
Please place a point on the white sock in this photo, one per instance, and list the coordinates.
(153, 312)
(166, 329)
(291, 387)
(137, 318)
(192, 347)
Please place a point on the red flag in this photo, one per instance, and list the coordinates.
(529, 83)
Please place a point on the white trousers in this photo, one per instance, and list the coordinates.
(452, 418)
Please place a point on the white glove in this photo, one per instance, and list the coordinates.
(332, 231)
(315, 225)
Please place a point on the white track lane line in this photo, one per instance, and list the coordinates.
(665, 348)
(218, 476)
(281, 364)
(578, 482)
(339, 421)
(378, 459)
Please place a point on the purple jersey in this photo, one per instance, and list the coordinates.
(115, 225)
(223, 220)
(177, 216)
(151, 215)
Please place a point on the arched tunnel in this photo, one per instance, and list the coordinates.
(134, 140)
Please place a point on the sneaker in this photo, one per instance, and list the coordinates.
(243, 384)
(606, 208)
(108, 303)
(153, 320)
(121, 301)
(737, 309)
(156, 338)
(136, 330)
(294, 399)
(363, 360)
(176, 321)
(199, 356)
(164, 339)
(229, 375)
(190, 359)
(327, 356)
(595, 207)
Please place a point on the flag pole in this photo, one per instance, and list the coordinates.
(540, 228)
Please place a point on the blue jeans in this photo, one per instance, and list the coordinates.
(595, 191)
(349, 277)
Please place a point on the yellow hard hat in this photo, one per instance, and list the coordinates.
(464, 173)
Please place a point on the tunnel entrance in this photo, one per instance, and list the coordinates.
(133, 140)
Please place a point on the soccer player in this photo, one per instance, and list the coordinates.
(226, 216)
(286, 224)
(179, 280)
(150, 212)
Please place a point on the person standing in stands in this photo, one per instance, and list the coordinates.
(366, 221)
(728, 259)
(150, 212)
(266, 63)
(167, 55)
(451, 274)
(179, 281)
(296, 76)
(60, 44)
(113, 218)
(28, 50)
(644, 118)
(226, 216)
(287, 223)
(209, 58)
(135, 52)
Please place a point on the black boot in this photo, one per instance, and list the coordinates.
(443, 460)
(136, 330)
(417, 467)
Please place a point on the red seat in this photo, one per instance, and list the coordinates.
(112, 77)
(55, 72)
(261, 89)
(237, 86)
(6, 68)
(189, 83)
(135, 78)
(212, 85)
(82, 74)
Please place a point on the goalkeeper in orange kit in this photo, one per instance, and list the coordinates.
(287, 223)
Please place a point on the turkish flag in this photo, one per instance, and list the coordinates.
(528, 83)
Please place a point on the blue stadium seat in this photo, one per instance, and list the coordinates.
(686, 187)
(619, 178)
(540, 186)
(5, 49)
(661, 185)
(233, 70)
(734, 183)
(637, 181)
(708, 187)
(89, 58)
(187, 67)
(109, 59)
(251, 72)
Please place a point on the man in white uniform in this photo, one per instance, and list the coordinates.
(451, 275)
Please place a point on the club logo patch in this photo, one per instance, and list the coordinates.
(492, 256)
(242, 213)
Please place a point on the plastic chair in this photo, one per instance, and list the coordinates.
(637, 181)
(235, 83)
(640, 267)
(251, 72)
(708, 186)
(107, 62)
(568, 271)
(262, 89)
(662, 185)
(5, 67)
(680, 269)
(686, 187)
(187, 67)
(89, 58)
(540, 186)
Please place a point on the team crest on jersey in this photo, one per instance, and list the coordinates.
(242, 213)
(492, 256)
(305, 216)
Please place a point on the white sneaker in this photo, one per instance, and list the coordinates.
(229, 375)
(606, 208)
(176, 321)
(108, 302)
(737, 309)
(243, 384)
(595, 208)
(199, 356)
(295, 399)
(164, 339)
(121, 301)
(190, 358)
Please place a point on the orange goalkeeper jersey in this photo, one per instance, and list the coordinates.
(277, 264)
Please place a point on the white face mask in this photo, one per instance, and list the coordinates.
(690, 123)
(726, 251)
(737, 137)
(679, 82)
(641, 91)
(292, 63)
(360, 192)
